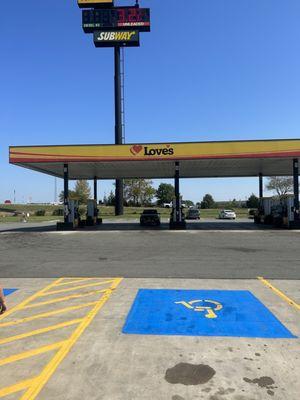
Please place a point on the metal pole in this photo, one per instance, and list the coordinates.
(261, 187)
(96, 196)
(95, 189)
(177, 193)
(66, 193)
(119, 210)
(296, 188)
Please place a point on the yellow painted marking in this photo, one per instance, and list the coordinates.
(48, 371)
(41, 331)
(77, 280)
(29, 299)
(210, 311)
(279, 293)
(17, 387)
(31, 353)
(75, 288)
(47, 314)
(60, 299)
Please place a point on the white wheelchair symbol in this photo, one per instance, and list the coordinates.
(210, 310)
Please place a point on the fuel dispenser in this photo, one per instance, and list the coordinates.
(177, 218)
(71, 213)
(92, 213)
(276, 211)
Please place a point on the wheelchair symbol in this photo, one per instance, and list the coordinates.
(210, 309)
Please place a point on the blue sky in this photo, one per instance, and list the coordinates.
(209, 70)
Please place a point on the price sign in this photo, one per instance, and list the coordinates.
(122, 18)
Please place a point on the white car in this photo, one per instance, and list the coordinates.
(227, 214)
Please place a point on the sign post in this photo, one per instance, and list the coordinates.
(115, 27)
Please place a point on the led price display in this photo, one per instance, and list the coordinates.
(116, 18)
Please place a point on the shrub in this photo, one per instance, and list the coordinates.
(58, 212)
(40, 213)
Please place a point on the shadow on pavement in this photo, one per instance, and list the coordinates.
(213, 225)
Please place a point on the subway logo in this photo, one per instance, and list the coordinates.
(122, 38)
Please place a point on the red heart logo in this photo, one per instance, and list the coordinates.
(168, 145)
(137, 148)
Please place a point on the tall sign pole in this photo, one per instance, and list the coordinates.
(115, 27)
(119, 208)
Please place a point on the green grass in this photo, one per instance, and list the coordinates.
(105, 212)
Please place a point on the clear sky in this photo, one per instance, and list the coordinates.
(209, 70)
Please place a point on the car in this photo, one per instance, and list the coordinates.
(167, 205)
(150, 218)
(227, 214)
(193, 213)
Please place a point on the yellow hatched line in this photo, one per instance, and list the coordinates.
(29, 299)
(48, 371)
(77, 280)
(17, 387)
(47, 314)
(31, 353)
(279, 293)
(40, 331)
(60, 299)
(75, 288)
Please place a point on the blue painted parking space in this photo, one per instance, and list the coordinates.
(7, 292)
(202, 313)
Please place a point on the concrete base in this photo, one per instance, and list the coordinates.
(177, 225)
(64, 226)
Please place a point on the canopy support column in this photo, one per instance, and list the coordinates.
(261, 187)
(296, 190)
(66, 193)
(177, 220)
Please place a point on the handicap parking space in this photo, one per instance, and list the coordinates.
(106, 363)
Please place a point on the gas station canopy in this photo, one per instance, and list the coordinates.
(197, 159)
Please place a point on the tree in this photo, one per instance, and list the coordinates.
(253, 201)
(72, 196)
(282, 185)
(188, 203)
(207, 201)
(111, 199)
(165, 193)
(81, 193)
(138, 192)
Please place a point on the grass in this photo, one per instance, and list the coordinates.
(7, 210)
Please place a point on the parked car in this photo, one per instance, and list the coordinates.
(227, 214)
(150, 217)
(193, 213)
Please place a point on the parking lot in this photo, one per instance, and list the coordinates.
(211, 312)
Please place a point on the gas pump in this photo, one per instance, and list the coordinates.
(73, 215)
(276, 211)
(177, 218)
(92, 213)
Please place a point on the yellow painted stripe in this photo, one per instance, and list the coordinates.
(279, 293)
(31, 353)
(77, 280)
(48, 371)
(75, 288)
(29, 299)
(17, 387)
(41, 331)
(60, 299)
(47, 314)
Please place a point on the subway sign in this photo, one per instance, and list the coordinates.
(95, 3)
(117, 38)
(123, 18)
